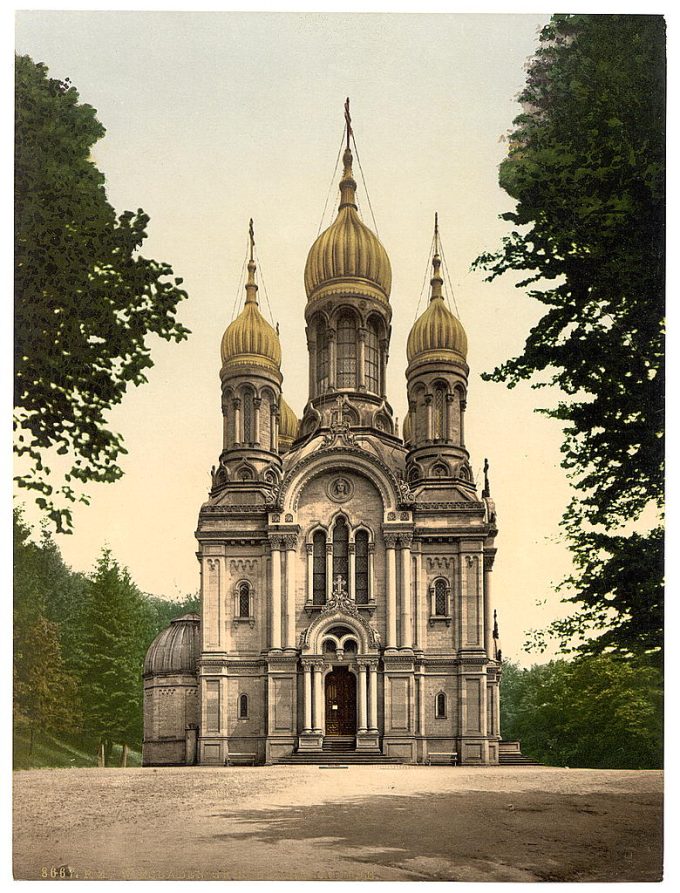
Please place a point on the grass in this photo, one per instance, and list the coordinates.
(54, 753)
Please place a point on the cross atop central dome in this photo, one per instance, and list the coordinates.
(348, 257)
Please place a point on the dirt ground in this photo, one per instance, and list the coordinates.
(363, 823)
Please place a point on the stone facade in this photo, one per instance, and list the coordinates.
(345, 571)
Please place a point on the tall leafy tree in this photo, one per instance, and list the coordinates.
(115, 631)
(85, 298)
(599, 711)
(586, 169)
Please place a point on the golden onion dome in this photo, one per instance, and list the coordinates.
(437, 333)
(288, 424)
(249, 340)
(348, 254)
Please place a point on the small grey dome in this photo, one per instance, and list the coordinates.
(175, 649)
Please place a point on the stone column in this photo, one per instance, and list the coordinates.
(236, 403)
(373, 696)
(362, 699)
(420, 680)
(412, 417)
(428, 417)
(311, 349)
(463, 404)
(257, 403)
(318, 719)
(309, 548)
(351, 583)
(290, 543)
(450, 419)
(276, 594)
(371, 564)
(488, 614)
(406, 595)
(308, 697)
(418, 599)
(361, 378)
(391, 561)
(384, 347)
(275, 429)
(329, 571)
(331, 358)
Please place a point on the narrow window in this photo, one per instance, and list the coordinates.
(347, 352)
(340, 551)
(438, 425)
(243, 707)
(244, 600)
(372, 359)
(319, 568)
(321, 357)
(440, 600)
(361, 568)
(440, 706)
(247, 416)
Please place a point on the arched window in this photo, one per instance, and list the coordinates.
(247, 416)
(440, 599)
(361, 568)
(321, 357)
(244, 600)
(319, 568)
(347, 352)
(328, 646)
(440, 706)
(438, 413)
(372, 358)
(243, 707)
(340, 551)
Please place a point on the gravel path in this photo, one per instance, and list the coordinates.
(363, 823)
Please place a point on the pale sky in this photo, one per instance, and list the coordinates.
(214, 118)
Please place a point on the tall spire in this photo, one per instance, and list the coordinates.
(348, 184)
(251, 285)
(436, 282)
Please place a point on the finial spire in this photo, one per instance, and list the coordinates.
(251, 285)
(348, 122)
(348, 184)
(436, 282)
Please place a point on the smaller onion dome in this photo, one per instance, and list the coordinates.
(249, 340)
(437, 333)
(348, 254)
(176, 649)
(406, 428)
(288, 424)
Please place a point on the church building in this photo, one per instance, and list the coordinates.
(345, 569)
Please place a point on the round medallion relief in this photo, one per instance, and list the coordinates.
(340, 489)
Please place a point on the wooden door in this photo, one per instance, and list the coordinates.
(341, 702)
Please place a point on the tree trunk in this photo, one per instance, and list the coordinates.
(102, 755)
(30, 746)
(123, 761)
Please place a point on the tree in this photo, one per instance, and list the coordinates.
(601, 712)
(586, 168)
(85, 298)
(115, 631)
(45, 690)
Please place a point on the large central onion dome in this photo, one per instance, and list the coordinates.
(249, 340)
(437, 334)
(348, 255)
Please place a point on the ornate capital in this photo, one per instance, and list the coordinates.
(257, 402)
(329, 548)
(236, 402)
(406, 540)
(488, 562)
(371, 548)
(449, 398)
(277, 543)
(428, 399)
(309, 548)
(391, 540)
(351, 548)
(289, 541)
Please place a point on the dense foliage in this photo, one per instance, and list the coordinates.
(599, 712)
(586, 168)
(79, 645)
(85, 299)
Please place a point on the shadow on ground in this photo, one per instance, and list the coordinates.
(475, 836)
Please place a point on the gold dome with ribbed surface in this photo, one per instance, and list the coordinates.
(288, 423)
(437, 333)
(249, 340)
(348, 253)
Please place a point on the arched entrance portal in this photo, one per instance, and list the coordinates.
(341, 703)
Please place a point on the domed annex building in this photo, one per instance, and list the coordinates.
(345, 571)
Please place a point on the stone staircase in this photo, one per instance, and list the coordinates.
(337, 751)
(516, 758)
